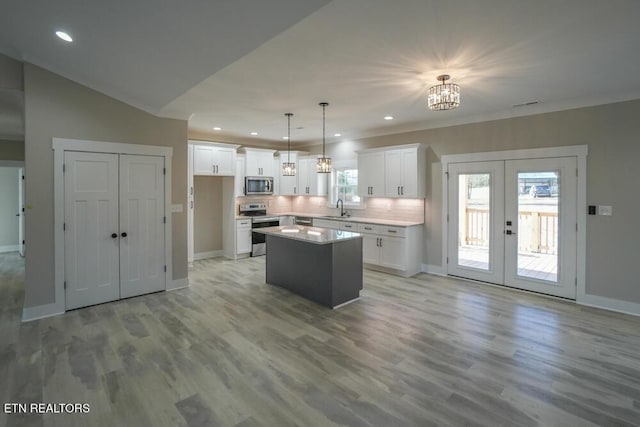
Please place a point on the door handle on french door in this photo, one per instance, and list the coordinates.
(510, 233)
(123, 234)
(114, 235)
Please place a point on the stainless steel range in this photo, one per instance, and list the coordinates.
(259, 219)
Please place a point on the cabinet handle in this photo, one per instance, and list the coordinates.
(192, 190)
(392, 231)
(123, 234)
(114, 235)
(294, 190)
(381, 242)
(192, 204)
(367, 228)
(371, 190)
(402, 190)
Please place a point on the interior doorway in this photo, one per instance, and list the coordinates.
(11, 208)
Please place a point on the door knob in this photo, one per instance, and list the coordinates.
(114, 235)
(124, 235)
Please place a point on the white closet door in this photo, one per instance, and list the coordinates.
(141, 225)
(91, 221)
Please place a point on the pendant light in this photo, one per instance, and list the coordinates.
(288, 167)
(324, 162)
(445, 96)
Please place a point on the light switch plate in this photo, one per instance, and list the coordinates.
(605, 210)
(177, 208)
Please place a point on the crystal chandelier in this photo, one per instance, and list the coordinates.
(324, 162)
(445, 96)
(288, 167)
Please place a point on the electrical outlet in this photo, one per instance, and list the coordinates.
(605, 210)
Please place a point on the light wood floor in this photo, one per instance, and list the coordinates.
(231, 350)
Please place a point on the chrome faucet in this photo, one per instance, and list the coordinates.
(340, 204)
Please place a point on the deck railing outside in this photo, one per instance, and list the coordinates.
(537, 231)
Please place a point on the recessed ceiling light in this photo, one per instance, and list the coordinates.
(254, 133)
(337, 134)
(388, 117)
(217, 128)
(64, 36)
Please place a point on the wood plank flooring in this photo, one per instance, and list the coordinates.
(233, 351)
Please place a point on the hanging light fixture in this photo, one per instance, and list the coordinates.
(288, 167)
(324, 162)
(445, 96)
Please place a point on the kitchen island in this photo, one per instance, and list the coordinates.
(322, 265)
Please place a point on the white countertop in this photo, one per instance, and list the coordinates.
(315, 235)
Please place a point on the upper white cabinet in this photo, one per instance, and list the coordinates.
(288, 184)
(239, 178)
(259, 162)
(398, 171)
(310, 182)
(214, 159)
(371, 174)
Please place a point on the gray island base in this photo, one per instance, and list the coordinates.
(322, 265)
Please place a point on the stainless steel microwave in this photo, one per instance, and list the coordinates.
(257, 185)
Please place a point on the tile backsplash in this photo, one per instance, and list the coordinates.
(379, 208)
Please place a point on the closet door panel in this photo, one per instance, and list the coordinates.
(91, 221)
(142, 225)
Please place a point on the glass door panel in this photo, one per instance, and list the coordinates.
(474, 220)
(538, 225)
(476, 248)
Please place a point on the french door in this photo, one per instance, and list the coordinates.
(514, 222)
(114, 227)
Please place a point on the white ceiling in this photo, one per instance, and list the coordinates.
(242, 64)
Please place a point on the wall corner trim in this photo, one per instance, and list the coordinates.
(178, 284)
(41, 311)
(621, 306)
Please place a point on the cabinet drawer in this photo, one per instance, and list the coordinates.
(349, 226)
(326, 223)
(243, 223)
(368, 228)
(388, 230)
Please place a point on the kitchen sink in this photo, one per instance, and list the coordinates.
(337, 217)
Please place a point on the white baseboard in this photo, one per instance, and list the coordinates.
(434, 269)
(205, 255)
(178, 284)
(9, 248)
(41, 311)
(612, 304)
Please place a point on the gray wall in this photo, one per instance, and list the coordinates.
(612, 133)
(207, 215)
(11, 150)
(9, 206)
(57, 107)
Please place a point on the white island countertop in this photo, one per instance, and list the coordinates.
(315, 235)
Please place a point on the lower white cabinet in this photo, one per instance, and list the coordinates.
(243, 236)
(392, 249)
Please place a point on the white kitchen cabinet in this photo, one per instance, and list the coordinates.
(401, 173)
(239, 178)
(396, 250)
(397, 172)
(326, 223)
(216, 160)
(259, 162)
(371, 174)
(289, 185)
(310, 182)
(243, 236)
